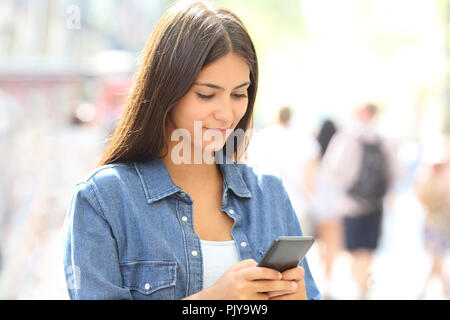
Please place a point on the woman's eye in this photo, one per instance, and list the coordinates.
(203, 96)
(240, 96)
(207, 97)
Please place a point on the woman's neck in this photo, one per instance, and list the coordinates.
(192, 174)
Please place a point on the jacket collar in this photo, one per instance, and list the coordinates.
(158, 184)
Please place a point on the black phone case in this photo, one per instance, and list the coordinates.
(286, 252)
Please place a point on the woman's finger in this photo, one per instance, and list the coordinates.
(296, 273)
(248, 263)
(261, 273)
(273, 294)
(274, 285)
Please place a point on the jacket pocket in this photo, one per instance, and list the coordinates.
(150, 279)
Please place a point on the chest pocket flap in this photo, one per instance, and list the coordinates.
(149, 276)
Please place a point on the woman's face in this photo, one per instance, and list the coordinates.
(217, 100)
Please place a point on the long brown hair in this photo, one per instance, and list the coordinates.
(186, 39)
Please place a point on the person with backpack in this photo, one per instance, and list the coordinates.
(360, 167)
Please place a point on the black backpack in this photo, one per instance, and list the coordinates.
(372, 181)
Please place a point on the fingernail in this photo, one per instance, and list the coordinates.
(293, 285)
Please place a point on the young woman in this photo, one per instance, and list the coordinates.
(150, 223)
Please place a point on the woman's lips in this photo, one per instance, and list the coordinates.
(217, 130)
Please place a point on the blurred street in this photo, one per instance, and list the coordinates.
(401, 262)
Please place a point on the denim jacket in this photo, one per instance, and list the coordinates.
(128, 232)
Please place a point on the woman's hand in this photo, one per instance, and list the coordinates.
(296, 276)
(245, 281)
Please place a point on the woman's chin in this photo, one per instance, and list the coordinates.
(211, 148)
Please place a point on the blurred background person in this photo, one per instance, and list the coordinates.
(359, 164)
(327, 223)
(433, 189)
(290, 155)
(326, 132)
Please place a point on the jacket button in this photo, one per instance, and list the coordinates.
(194, 253)
(147, 286)
(231, 211)
(243, 244)
(184, 218)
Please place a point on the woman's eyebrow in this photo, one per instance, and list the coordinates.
(214, 86)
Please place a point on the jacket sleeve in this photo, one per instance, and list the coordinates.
(294, 229)
(91, 261)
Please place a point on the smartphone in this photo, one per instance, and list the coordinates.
(286, 252)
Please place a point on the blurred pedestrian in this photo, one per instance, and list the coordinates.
(327, 223)
(281, 150)
(360, 166)
(433, 189)
(326, 132)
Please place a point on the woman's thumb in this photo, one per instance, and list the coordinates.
(244, 264)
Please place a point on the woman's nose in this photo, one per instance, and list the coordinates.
(225, 112)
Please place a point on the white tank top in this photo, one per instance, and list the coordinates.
(217, 256)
